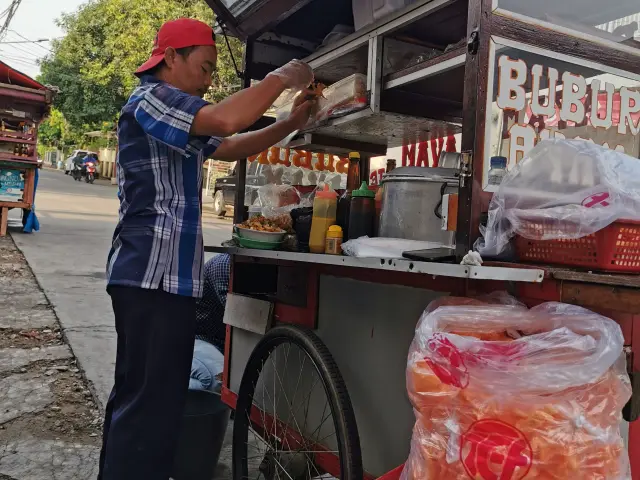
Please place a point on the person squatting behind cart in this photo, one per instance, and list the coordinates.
(155, 266)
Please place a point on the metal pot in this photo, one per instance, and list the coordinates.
(409, 202)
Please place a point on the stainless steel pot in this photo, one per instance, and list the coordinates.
(411, 196)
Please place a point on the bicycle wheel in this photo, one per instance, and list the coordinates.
(294, 419)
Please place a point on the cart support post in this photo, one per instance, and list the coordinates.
(240, 211)
(473, 121)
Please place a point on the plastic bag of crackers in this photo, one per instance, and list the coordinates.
(505, 393)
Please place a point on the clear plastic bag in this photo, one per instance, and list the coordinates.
(345, 96)
(277, 202)
(379, 247)
(502, 392)
(562, 189)
(278, 195)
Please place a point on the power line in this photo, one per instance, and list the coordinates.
(16, 56)
(26, 47)
(11, 11)
(36, 42)
(23, 50)
(28, 41)
(9, 59)
(19, 63)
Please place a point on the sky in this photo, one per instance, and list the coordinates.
(34, 19)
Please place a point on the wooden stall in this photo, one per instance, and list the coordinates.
(23, 104)
(505, 74)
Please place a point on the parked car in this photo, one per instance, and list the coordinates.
(68, 165)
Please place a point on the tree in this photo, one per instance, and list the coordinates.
(55, 131)
(104, 42)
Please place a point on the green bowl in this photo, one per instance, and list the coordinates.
(257, 244)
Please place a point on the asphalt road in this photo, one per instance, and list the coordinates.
(68, 257)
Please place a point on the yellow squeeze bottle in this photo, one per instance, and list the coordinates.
(324, 215)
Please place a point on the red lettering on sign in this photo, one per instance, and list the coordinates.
(597, 200)
(495, 450)
(446, 362)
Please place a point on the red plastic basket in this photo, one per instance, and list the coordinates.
(615, 248)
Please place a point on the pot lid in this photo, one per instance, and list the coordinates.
(424, 174)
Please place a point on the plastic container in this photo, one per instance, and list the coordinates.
(361, 212)
(302, 218)
(254, 211)
(324, 215)
(349, 94)
(498, 170)
(333, 242)
(366, 12)
(615, 248)
(204, 425)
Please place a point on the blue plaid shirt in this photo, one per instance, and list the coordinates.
(158, 240)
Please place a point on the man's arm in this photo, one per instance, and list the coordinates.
(244, 145)
(239, 111)
(242, 109)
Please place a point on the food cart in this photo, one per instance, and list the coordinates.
(482, 68)
(23, 103)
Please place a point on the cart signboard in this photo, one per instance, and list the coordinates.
(535, 95)
(617, 24)
(11, 185)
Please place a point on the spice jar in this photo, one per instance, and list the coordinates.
(333, 242)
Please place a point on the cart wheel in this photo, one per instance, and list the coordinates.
(291, 373)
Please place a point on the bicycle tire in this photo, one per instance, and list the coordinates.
(344, 418)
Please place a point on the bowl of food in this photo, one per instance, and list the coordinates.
(260, 229)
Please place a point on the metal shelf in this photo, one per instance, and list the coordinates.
(378, 130)
(526, 275)
(17, 159)
(434, 66)
(4, 138)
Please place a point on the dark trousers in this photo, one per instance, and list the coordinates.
(156, 333)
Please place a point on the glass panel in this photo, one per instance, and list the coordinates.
(236, 7)
(586, 102)
(304, 170)
(616, 20)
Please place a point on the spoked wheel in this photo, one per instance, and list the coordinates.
(294, 419)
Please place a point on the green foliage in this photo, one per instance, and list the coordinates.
(55, 131)
(105, 41)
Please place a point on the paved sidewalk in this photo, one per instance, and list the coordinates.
(49, 423)
(68, 257)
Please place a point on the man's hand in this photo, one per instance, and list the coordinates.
(247, 144)
(303, 106)
(295, 74)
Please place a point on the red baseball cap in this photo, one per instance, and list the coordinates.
(180, 33)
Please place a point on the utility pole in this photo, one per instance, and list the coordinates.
(9, 12)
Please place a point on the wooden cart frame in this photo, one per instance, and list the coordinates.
(399, 101)
(21, 103)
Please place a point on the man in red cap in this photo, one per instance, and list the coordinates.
(155, 265)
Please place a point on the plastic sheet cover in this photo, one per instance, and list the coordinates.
(562, 189)
(505, 393)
